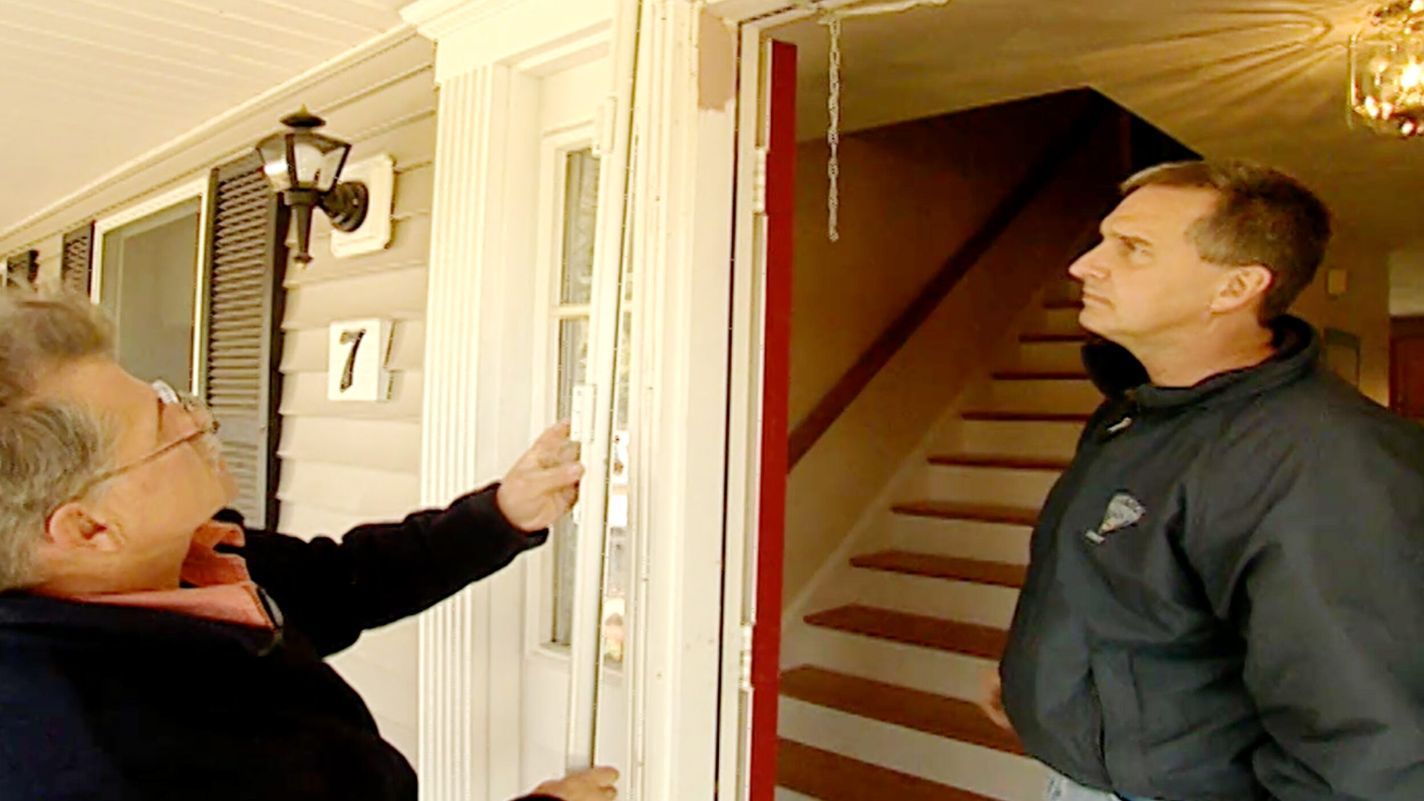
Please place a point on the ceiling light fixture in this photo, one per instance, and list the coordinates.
(1387, 70)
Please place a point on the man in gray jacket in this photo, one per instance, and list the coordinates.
(1225, 599)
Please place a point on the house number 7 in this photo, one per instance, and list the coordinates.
(353, 338)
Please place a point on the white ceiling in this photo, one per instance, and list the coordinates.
(1260, 79)
(87, 85)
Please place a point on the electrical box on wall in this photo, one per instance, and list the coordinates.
(356, 360)
(1336, 283)
(378, 174)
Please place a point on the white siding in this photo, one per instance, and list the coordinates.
(349, 463)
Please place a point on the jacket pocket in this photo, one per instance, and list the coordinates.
(1122, 740)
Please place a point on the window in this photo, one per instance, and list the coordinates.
(147, 267)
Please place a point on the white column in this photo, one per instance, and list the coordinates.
(454, 646)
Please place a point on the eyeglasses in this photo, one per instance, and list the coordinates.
(196, 411)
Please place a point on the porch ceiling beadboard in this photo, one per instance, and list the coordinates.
(101, 82)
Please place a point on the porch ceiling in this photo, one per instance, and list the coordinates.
(1246, 78)
(87, 85)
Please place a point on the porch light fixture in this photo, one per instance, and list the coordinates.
(1387, 70)
(304, 167)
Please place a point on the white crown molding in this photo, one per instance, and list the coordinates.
(533, 36)
(436, 19)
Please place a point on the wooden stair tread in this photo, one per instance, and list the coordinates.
(969, 639)
(1001, 461)
(939, 715)
(999, 574)
(1040, 375)
(832, 777)
(1041, 338)
(992, 416)
(984, 513)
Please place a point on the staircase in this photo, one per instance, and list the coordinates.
(879, 684)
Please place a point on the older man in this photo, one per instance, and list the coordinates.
(1225, 597)
(150, 651)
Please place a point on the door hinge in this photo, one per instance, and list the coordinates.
(759, 179)
(744, 659)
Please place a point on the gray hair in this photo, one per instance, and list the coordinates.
(49, 450)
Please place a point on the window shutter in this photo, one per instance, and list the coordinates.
(242, 381)
(22, 268)
(78, 254)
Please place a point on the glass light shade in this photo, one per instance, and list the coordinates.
(301, 158)
(1387, 70)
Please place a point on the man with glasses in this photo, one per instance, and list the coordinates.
(153, 648)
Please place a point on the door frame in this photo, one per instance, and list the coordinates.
(691, 227)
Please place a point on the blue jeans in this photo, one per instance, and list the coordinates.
(1062, 788)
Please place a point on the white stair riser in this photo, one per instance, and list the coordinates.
(964, 601)
(985, 485)
(783, 794)
(981, 770)
(1012, 438)
(1049, 356)
(918, 668)
(967, 539)
(1043, 395)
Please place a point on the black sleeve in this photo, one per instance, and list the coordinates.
(1313, 550)
(378, 573)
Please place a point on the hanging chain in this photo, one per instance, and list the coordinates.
(832, 19)
(833, 131)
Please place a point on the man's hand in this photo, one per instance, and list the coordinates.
(992, 699)
(543, 485)
(587, 785)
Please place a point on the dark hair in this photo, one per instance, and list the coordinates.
(1263, 216)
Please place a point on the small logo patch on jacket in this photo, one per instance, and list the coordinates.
(1123, 511)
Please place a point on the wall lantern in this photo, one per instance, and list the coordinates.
(1387, 70)
(305, 167)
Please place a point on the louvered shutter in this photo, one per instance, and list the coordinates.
(75, 263)
(244, 341)
(22, 268)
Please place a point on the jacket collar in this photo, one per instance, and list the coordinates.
(1119, 375)
(99, 625)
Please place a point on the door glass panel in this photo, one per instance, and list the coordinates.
(573, 369)
(579, 222)
(148, 279)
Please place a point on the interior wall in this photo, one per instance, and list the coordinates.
(910, 194)
(930, 186)
(1362, 311)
